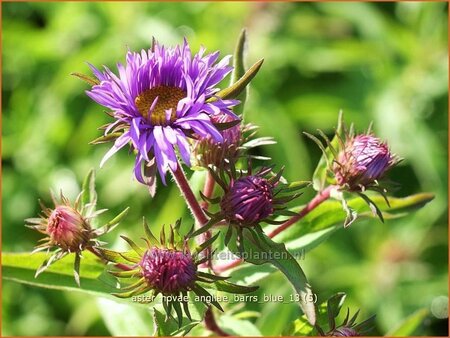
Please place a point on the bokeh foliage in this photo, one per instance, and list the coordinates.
(383, 62)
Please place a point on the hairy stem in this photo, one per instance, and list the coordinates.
(208, 190)
(314, 203)
(321, 197)
(211, 324)
(201, 219)
(189, 196)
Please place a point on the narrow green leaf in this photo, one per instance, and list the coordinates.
(408, 326)
(222, 285)
(334, 305)
(204, 228)
(112, 223)
(234, 90)
(239, 69)
(89, 195)
(260, 249)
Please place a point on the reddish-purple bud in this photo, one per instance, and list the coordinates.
(345, 332)
(209, 151)
(248, 201)
(364, 159)
(168, 271)
(67, 228)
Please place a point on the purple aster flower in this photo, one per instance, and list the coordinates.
(364, 159)
(160, 97)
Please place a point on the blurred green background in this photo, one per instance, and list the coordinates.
(381, 62)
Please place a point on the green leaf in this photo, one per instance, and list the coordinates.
(321, 171)
(222, 285)
(88, 194)
(112, 223)
(21, 267)
(260, 249)
(300, 327)
(408, 326)
(239, 69)
(169, 326)
(334, 304)
(330, 213)
(235, 89)
(238, 327)
(321, 223)
(125, 319)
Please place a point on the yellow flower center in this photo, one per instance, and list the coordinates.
(168, 98)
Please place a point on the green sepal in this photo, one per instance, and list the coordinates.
(133, 245)
(206, 243)
(144, 288)
(151, 238)
(200, 291)
(211, 277)
(123, 274)
(205, 227)
(226, 125)
(106, 138)
(375, 210)
(86, 78)
(321, 172)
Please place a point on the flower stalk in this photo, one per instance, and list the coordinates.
(314, 203)
(185, 189)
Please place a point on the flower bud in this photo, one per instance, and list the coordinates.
(168, 271)
(248, 201)
(364, 159)
(67, 228)
(167, 266)
(210, 151)
(344, 332)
